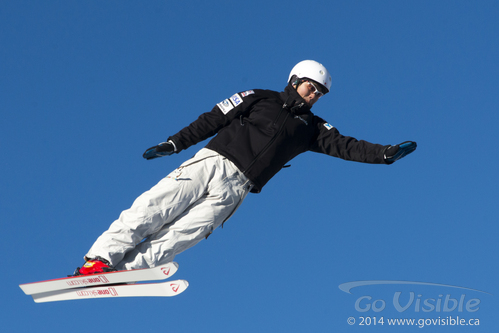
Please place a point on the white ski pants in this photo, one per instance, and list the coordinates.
(175, 214)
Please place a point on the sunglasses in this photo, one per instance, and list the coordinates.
(317, 92)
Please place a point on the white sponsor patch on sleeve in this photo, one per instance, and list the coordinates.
(236, 99)
(247, 92)
(328, 126)
(225, 106)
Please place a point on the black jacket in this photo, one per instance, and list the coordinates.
(261, 130)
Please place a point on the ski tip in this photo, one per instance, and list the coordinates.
(178, 286)
(22, 288)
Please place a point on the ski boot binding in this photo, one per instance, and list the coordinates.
(94, 266)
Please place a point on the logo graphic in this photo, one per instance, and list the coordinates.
(113, 292)
(86, 281)
(236, 99)
(347, 286)
(418, 301)
(298, 117)
(97, 292)
(166, 270)
(246, 93)
(328, 126)
(174, 286)
(225, 106)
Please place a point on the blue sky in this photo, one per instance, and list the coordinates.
(87, 86)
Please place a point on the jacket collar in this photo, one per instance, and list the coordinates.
(293, 101)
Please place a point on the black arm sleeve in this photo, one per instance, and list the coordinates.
(331, 142)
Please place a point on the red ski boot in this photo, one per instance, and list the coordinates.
(94, 266)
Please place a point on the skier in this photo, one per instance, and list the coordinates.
(257, 133)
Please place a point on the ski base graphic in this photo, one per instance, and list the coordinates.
(108, 285)
(162, 289)
(147, 274)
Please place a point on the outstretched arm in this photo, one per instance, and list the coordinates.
(331, 142)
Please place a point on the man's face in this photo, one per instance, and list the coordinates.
(308, 91)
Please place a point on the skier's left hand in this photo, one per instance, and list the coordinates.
(163, 149)
(394, 153)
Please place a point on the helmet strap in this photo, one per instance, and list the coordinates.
(297, 81)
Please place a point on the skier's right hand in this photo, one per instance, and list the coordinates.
(163, 149)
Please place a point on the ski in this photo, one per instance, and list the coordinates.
(147, 274)
(162, 289)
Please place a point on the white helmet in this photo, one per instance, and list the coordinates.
(311, 69)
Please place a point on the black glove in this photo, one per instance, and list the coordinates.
(163, 149)
(394, 153)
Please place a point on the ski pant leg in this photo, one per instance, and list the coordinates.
(151, 210)
(225, 193)
(170, 199)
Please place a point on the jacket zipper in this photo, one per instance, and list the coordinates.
(267, 146)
